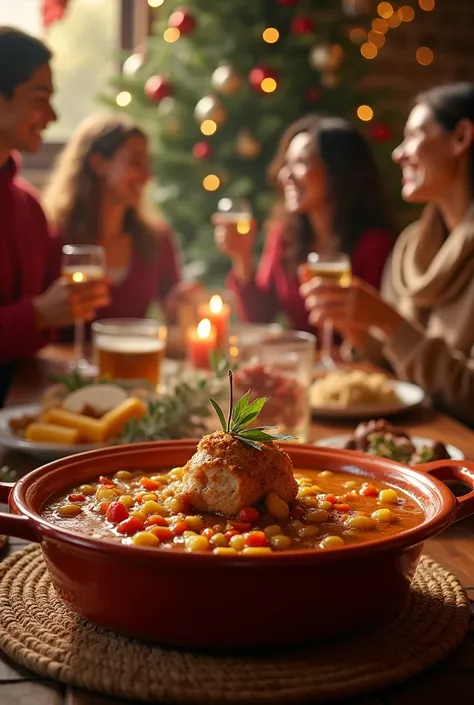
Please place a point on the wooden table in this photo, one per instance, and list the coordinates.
(452, 681)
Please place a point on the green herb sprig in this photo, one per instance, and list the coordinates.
(244, 413)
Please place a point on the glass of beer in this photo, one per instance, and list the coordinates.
(129, 349)
(333, 268)
(80, 264)
(236, 212)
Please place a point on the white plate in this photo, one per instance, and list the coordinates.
(41, 451)
(418, 441)
(410, 396)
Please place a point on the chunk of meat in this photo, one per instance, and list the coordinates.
(225, 475)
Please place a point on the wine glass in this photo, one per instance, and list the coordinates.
(334, 268)
(80, 264)
(237, 212)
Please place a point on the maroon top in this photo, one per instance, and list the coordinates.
(144, 282)
(273, 290)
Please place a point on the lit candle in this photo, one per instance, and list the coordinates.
(201, 342)
(218, 313)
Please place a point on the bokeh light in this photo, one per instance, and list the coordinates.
(271, 35)
(368, 51)
(365, 113)
(208, 127)
(424, 56)
(123, 99)
(172, 34)
(385, 10)
(211, 182)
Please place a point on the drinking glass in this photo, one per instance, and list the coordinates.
(236, 212)
(129, 349)
(80, 264)
(277, 364)
(333, 268)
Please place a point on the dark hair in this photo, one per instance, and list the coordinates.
(356, 194)
(20, 56)
(450, 104)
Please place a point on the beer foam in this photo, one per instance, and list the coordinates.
(128, 344)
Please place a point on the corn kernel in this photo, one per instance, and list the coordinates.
(69, 510)
(276, 506)
(196, 543)
(123, 475)
(87, 490)
(350, 484)
(187, 534)
(144, 538)
(272, 530)
(250, 551)
(195, 523)
(305, 492)
(139, 515)
(317, 516)
(325, 505)
(149, 497)
(220, 551)
(104, 494)
(176, 505)
(219, 540)
(280, 542)
(361, 522)
(161, 478)
(127, 499)
(309, 502)
(152, 507)
(325, 473)
(384, 515)
(237, 542)
(388, 496)
(176, 473)
(331, 542)
(308, 531)
(316, 488)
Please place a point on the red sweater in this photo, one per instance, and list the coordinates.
(273, 290)
(27, 267)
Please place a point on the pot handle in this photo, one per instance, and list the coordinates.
(460, 470)
(12, 524)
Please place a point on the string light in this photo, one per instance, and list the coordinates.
(394, 20)
(172, 34)
(375, 38)
(406, 13)
(208, 127)
(271, 35)
(380, 25)
(427, 5)
(123, 99)
(385, 10)
(357, 35)
(211, 182)
(155, 3)
(268, 85)
(365, 113)
(369, 51)
(424, 56)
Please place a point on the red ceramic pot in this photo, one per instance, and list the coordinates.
(204, 600)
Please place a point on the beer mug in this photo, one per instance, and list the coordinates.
(236, 212)
(129, 348)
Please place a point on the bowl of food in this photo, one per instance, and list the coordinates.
(215, 543)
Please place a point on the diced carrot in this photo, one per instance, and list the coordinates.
(163, 533)
(256, 539)
(140, 496)
(208, 533)
(229, 534)
(179, 528)
(248, 514)
(76, 498)
(369, 491)
(331, 498)
(103, 506)
(130, 526)
(342, 507)
(155, 520)
(241, 526)
(106, 481)
(117, 512)
(149, 484)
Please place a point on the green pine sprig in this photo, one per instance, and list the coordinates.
(243, 413)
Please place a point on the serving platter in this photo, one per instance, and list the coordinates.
(341, 440)
(409, 396)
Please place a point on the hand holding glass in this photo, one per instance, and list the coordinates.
(82, 264)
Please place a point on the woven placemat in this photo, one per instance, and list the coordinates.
(39, 632)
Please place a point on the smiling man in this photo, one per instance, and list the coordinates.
(33, 299)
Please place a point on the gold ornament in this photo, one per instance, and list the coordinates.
(326, 57)
(210, 108)
(247, 145)
(225, 80)
(330, 79)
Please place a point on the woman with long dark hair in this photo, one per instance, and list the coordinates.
(331, 200)
(423, 320)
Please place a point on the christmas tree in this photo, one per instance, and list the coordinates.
(219, 82)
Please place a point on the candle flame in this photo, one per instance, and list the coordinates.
(215, 304)
(204, 329)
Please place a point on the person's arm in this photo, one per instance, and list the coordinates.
(445, 374)
(256, 296)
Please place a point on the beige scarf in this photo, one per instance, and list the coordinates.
(430, 277)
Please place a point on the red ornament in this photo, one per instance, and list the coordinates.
(288, 3)
(302, 25)
(259, 74)
(52, 11)
(313, 94)
(380, 132)
(202, 150)
(182, 20)
(157, 88)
